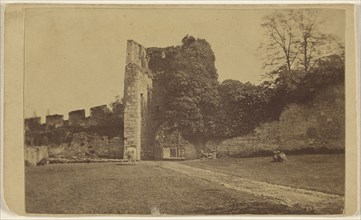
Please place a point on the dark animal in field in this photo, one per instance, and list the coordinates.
(279, 156)
(131, 157)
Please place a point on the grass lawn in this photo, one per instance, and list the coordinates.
(111, 188)
(324, 173)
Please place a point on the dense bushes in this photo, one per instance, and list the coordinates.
(203, 109)
(188, 80)
(195, 103)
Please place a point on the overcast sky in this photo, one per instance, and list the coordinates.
(75, 58)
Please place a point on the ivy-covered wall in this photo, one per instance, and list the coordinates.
(317, 127)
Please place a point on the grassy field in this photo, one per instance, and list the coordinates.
(112, 188)
(324, 173)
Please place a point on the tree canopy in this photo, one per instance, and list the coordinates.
(300, 58)
(188, 77)
(202, 108)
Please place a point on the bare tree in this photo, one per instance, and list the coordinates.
(313, 43)
(295, 41)
(281, 46)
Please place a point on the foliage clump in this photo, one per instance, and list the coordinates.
(195, 103)
(187, 78)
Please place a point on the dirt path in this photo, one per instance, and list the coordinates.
(312, 201)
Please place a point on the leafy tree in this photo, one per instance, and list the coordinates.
(328, 71)
(300, 59)
(188, 80)
(300, 87)
(194, 102)
(244, 106)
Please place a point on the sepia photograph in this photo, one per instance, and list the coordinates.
(184, 110)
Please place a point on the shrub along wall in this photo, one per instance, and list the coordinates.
(317, 127)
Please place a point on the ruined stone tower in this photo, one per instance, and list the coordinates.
(137, 97)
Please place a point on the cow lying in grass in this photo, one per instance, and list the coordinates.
(279, 156)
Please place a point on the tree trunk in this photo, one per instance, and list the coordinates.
(305, 59)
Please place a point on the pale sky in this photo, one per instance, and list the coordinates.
(75, 58)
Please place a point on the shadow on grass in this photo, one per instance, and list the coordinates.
(302, 151)
(124, 164)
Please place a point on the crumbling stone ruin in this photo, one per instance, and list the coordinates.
(77, 138)
(98, 114)
(32, 123)
(318, 125)
(137, 96)
(54, 121)
(143, 131)
(77, 118)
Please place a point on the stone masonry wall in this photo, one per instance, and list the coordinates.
(76, 117)
(316, 127)
(77, 137)
(54, 121)
(98, 114)
(137, 97)
(83, 142)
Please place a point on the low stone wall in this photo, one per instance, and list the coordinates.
(86, 143)
(35, 154)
